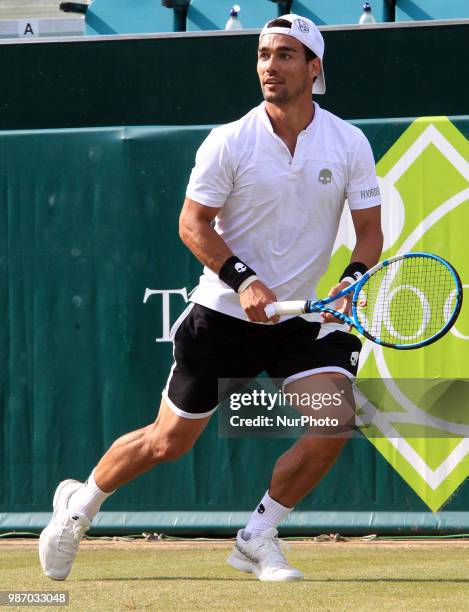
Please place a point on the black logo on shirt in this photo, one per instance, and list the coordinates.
(369, 193)
(325, 176)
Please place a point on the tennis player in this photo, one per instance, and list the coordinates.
(261, 213)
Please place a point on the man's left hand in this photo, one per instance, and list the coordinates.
(343, 305)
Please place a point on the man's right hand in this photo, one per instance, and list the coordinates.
(254, 299)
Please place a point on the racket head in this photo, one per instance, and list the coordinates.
(412, 300)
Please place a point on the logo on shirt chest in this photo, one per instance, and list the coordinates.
(325, 176)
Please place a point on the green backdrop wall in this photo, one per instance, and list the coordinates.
(89, 226)
(88, 233)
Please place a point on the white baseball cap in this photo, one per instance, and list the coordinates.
(307, 33)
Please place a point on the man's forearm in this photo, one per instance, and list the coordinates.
(368, 250)
(204, 242)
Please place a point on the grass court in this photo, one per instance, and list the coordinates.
(193, 575)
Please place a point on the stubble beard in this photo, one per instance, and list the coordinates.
(284, 96)
(277, 98)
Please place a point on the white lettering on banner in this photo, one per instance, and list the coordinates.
(426, 312)
(166, 313)
(448, 309)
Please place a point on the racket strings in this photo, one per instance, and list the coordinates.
(408, 301)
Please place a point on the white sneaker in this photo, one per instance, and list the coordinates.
(58, 544)
(262, 555)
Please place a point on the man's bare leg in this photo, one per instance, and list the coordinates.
(76, 504)
(135, 453)
(257, 549)
(295, 474)
(169, 437)
(303, 466)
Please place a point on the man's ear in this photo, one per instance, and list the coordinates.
(315, 67)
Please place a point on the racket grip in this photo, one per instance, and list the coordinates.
(294, 307)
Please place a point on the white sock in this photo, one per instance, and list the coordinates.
(269, 513)
(88, 499)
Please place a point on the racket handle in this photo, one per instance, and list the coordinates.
(294, 307)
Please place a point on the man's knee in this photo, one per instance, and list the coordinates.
(167, 447)
(171, 436)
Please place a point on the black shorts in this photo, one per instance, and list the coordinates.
(209, 346)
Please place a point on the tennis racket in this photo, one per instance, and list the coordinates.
(404, 302)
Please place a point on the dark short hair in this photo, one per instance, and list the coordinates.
(284, 23)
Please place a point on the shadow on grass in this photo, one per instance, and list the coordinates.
(317, 580)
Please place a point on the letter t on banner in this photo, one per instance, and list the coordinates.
(166, 313)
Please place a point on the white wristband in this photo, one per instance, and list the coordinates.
(245, 284)
(348, 279)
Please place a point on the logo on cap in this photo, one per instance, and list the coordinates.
(302, 25)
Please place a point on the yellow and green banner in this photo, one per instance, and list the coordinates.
(424, 181)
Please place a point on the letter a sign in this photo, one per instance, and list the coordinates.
(28, 28)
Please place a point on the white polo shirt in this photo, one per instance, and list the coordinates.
(280, 214)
